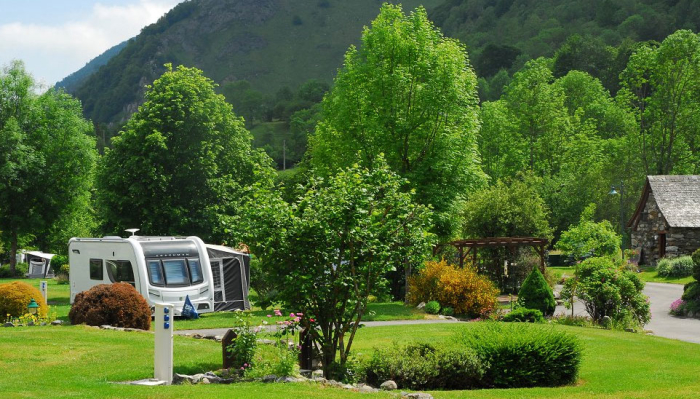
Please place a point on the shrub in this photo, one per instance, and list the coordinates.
(608, 291)
(58, 262)
(6, 273)
(447, 311)
(15, 296)
(463, 289)
(536, 294)
(681, 267)
(691, 291)
(117, 304)
(432, 307)
(422, 366)
(663, 268)
(524, 315)
(696, 264)
(524, 355)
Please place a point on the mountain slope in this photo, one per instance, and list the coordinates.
(74, 80)
(270, 43)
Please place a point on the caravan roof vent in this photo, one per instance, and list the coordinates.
(132, 231)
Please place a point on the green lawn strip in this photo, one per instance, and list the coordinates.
(83, 362)
(562, 272)
(648, 274)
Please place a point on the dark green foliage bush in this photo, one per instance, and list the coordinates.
(57, 262)
(691, 291)
(536, 294)
(447, 311)
(524, 315)
(118, 305)
(5, 272)
(696, 264)
(432, 307)
(422, 366)
(524, 355)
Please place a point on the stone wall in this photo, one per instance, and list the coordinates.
(679, 241)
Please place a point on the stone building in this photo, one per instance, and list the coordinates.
(667, 220)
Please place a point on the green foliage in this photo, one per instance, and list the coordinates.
(118, 305)
(407, 92)
(675, 267)
(696, 264)
(15, 296)
(432, 307)
(333, 246)
(243, 347)
(589, 238)
(46, 162)
(524, 355)
(536, 294)
(447, 311)
(608, 291)
(57, 263)
(524, 315)
(420, 366)
(462, 289)
(181, 165)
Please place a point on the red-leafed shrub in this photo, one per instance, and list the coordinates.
(118, 305)
(462, 289)
(15, 296)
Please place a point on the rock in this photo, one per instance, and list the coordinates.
(286, 379)
(305, 373)
(388, 385)
(8, 324)
(348, 386)
(204, 381)
(629, 330)
(418, 395)
(363, 388)
(316, 374)
(197, 378)
(269, 378)
(57, 322)
(420, 305)
(182, 378)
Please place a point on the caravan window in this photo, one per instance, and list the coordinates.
(120, 271)
(96, 269)
(176, 272)
(195, 271)
(155, 273)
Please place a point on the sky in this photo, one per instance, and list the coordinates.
(55, 38)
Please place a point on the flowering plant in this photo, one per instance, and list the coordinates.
(678, 308)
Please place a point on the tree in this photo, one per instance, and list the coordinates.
(660, 86)
(46, 161)
(589, 238)
(181, 163)
(409, 93)
(332, 248)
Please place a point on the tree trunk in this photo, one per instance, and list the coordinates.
(13, 252)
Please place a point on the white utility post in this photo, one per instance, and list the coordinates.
(43, 287)
(163, 364)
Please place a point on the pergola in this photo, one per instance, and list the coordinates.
(471, 246)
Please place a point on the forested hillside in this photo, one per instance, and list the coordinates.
(75, 79)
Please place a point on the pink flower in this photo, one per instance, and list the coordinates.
(269, 315)
(242, 368)
(277, 312)
(300, 314)
(292, 315)
(312, 320)
(245, 364)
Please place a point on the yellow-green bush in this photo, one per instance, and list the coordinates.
(462, 289)
(15, 296)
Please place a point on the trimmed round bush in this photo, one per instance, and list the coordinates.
(15, 296)
(422, 366)
(447, 311)
(663, 268)
(118, 305)
(432, 307)
(523, 355)
(524, 315)
(696, 264)
(536, 294)
(681, 267)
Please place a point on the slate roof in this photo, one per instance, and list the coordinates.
(678, 198)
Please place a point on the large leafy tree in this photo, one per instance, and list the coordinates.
(661, 85)
(410, 93)
(181, 162)
(46, 163)
(332, 248)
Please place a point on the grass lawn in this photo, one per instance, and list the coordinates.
(562, 272)
(648, 274)
(83, 362)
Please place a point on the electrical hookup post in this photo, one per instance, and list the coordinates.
(163, 358)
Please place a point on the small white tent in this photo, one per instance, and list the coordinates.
(39, 264)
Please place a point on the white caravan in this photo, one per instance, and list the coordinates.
(162, 269)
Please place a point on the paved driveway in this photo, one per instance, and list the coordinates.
(662, 323)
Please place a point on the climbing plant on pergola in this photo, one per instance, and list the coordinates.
(469, 247)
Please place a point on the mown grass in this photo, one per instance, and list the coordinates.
(648, 274)
(83, 362)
